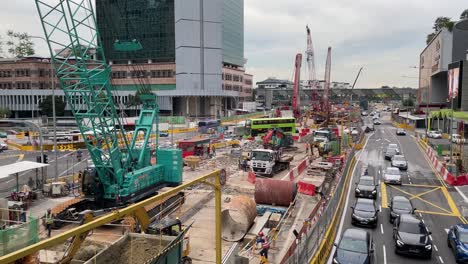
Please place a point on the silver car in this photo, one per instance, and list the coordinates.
(399, 161)
(392, 175)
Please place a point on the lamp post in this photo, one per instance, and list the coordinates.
(54, 116)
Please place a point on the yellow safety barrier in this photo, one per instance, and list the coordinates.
(327, 242)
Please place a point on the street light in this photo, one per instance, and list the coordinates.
(54, 119)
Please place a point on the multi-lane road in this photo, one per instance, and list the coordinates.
(435, 202)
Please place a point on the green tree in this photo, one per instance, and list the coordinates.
(46, 106)
(4, 112)
(464, 14)
(19, 44)
(408, 102)
(430, 37)
(443, 22)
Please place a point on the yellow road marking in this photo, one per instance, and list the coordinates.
(419, 198)
(383, 190)
(452, 205)
(447, 195)
(434, 213)
(423, 193)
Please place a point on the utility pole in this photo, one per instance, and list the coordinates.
(54, 119)
(451, 133)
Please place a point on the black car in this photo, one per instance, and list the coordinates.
(389, 153)
(364, 213)
(400, 205)
(411, 236)
(400, 132)
(356, 247)
(366, 188)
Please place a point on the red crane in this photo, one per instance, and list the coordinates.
(296, 88)
(326, 92)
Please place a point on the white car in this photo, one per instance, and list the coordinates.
(395, 147)
(354, 132)
(3, 146)
(456, 138)
(392, 175)
(434, 134)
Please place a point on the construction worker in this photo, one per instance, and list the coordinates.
(260, 239)
(49, 219)
(264, 251)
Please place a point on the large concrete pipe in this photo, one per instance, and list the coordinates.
(237, 218)
(275, 192)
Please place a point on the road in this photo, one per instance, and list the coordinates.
(67, 163)
(428, 194)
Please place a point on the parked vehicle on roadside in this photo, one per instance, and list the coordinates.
(399, 205)
(394, 146)
(411, 236)
(356, 246)
(458, 139)
(434, 134)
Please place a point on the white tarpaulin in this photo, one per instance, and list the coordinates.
(19, 167)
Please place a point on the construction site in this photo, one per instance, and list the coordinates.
(205, 196)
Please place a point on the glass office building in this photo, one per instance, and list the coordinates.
(233, 32)
(149, 22)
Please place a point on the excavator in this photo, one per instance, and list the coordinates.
(276, 139)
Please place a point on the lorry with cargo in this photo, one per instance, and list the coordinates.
(268, 162)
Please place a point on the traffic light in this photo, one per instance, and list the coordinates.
(46, 159)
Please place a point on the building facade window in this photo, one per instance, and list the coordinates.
(5, 74)
(119, 74)
(22, 73)
(138, 74)
(162, 74)
(235, 78)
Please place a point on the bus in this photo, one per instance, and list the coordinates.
(260, 126)
(206, 125)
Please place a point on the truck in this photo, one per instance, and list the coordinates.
(268, 162)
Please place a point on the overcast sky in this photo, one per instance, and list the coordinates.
(383, 36)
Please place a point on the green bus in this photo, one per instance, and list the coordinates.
(260, 126)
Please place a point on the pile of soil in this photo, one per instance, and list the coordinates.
(138, 250)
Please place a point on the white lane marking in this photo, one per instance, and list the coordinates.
(430, 237)
(422, 221)
(384, 254)
(343, 216)
(380, 208)
(461, 194)
(441, 260)
(381, 228)
(447, 230)
(378, 140)
(435, 247)
(387, 140)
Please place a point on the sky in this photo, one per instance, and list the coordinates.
(385, 37)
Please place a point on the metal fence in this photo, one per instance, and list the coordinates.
(316, 240)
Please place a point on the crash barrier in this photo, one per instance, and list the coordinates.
(440, 167)
(316, 238)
